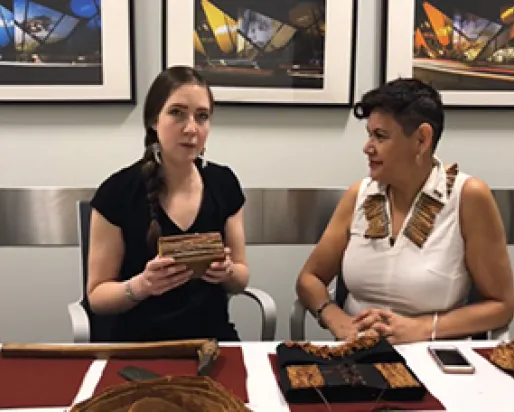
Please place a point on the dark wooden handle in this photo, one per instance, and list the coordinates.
(168, 349)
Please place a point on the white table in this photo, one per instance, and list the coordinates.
(488, 389)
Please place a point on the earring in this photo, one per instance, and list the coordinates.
(202, 156)
(418, 159)
(156, 149)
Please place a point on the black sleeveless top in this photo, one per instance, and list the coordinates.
(196, 309)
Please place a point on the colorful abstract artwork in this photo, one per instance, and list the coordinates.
(464, 48)
(65, 50)
(264, 51)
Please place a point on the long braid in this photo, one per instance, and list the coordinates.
(154, 183)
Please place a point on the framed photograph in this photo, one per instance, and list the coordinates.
(66, 51)
(298, 52)
(463, 48)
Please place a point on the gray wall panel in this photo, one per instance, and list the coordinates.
(42, 216)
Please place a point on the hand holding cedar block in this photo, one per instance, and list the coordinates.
(199, 252)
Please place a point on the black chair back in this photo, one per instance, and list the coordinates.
(341, 291)
(100, 325)
(475, 297)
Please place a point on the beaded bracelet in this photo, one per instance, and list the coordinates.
(130, 293)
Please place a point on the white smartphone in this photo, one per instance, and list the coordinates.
(450, 359)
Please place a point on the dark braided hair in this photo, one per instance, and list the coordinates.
(165, 84)
(154, 183)
(410, 101)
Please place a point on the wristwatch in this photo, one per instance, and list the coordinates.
(320, 310)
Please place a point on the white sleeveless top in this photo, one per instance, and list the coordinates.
(406, 278)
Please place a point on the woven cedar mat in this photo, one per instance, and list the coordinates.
(429, 403)
(486, 353)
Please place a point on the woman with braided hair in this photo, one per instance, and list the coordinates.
(172, 190)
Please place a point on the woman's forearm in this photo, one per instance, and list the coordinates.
(472, 319)
(110, 298)
(238, 281)
(313, 294)
(311, 291)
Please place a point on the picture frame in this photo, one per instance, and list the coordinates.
(463, 48)
(297, 52)
(67, 51)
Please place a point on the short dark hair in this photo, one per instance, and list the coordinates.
(411, 103)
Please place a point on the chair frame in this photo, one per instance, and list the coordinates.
(81, 323)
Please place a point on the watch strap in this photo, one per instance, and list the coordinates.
(320, 310)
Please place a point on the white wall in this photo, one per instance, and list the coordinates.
(268, 147)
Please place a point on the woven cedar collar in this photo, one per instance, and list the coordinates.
(422, 220)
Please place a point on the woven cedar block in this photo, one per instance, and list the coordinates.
(197, 251)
